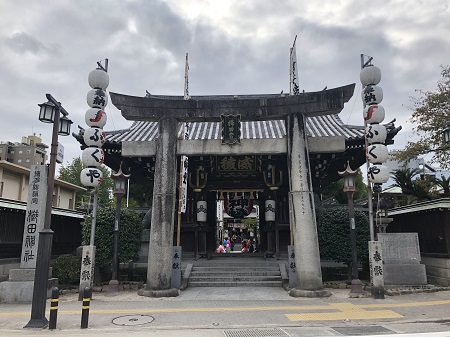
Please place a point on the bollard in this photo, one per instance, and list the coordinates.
(54, 308)
(87, 295)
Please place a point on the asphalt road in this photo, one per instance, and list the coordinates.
(241, 312)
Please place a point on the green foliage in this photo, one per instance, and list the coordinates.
(431, 112)
(334, 235)
(67, 269)
(71, 174)
(130, 229)
(419, 189)
(335, 189)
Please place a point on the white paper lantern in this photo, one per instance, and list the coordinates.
(377, 153)
(95, 117)
(374, 114)
(91, 177)
(92, 156)
(94, 137)
(378, 174)
(376, 133)
(372, 94)
(269, 210)
(97, 98)
(370, 75)
(98, 79)
(202, 211)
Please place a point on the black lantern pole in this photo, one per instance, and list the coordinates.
(447, 134)
(49, 113)
(349, 188)
(119, 179)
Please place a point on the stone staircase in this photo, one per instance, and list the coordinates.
(232, 272)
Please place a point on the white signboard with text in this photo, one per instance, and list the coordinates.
(34, 215)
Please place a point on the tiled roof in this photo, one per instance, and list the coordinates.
(319, 126)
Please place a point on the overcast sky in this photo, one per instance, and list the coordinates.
(235, 47)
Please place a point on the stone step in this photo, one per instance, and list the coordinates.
(246, 272)
(235, 278)
(235, 284)
(237, 268)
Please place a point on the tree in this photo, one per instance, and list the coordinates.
(415, 189)
(71, 174)
(431, 113)
(444, 183)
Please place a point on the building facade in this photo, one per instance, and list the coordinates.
(31, 151)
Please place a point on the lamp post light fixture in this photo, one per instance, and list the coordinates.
(120, 180)
(49, 113)
(349, 177)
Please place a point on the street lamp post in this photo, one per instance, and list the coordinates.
(49, 113)
(119, 179)
(349, 188)
(447, 134)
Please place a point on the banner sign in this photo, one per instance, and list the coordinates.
(231, 129)
(34, 216)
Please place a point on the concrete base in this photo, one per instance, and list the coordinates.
(404, 274)
(309, 293)
(356, 289)
(19, 287)
(172, 292)
(22, 291)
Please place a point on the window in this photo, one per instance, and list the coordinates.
(28, 160)
(19, 161)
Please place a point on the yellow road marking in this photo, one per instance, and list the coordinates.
(346, 311)
(356, 310)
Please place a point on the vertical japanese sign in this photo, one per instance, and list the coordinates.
(292, 268)
(34, 216)
(175, 281)
(184, 172)
(376, 268)
(231, 129)
(294, 85)
(87, 268)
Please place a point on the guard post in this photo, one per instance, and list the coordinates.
(54, 308)
(87, 295)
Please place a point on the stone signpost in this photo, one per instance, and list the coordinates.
(19, 287)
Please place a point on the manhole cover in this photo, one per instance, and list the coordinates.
(133, 320)
(363, 330)
(256, 333)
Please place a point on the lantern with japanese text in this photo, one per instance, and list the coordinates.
(93, 136)
(269, 210)
(374, 114)
(97, 98)
(95, 117)
(378, 174)
(91, 177)
(375, 133)
(377, 153)
(202, 211)
(92, 157)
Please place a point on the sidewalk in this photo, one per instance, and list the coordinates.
(238, 311)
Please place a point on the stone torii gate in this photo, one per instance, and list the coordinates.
(168, 111)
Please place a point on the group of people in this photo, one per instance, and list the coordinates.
(247, 246)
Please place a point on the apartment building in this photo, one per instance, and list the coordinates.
(31, 151)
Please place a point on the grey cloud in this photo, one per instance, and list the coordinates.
(23, 43)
